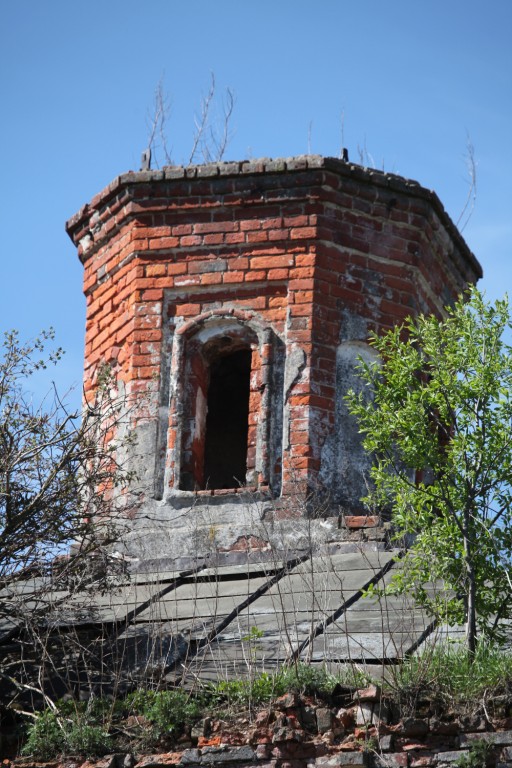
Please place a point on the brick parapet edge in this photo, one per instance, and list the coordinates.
(78, 224)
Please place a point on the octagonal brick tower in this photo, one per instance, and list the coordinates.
(238, 297)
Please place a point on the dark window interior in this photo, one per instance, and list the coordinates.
(225, 451)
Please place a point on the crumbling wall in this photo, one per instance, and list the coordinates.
(293, 261)
(300, 732)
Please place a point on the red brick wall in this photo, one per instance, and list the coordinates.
(295, 252)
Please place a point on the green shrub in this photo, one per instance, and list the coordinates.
(51, 734)
(168, 711)
(244, 692)
(88, 740)
(45, 736)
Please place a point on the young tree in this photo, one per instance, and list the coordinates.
(437, 417)
(57, 472)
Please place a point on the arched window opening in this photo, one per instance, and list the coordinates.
(227, 420)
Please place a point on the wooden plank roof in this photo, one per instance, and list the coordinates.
(259, 614)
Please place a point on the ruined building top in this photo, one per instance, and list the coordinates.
(239, 297)
(80, 221)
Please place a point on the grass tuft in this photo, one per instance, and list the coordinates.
(448, 677)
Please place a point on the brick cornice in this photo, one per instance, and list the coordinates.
(117, 202)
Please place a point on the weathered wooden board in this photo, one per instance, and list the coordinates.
(367, 645)
(347, 562)
(338, 582)
(377, 621)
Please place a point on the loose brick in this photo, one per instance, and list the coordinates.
(254, 275)
(212, 265)
(211, 278)
(269, 262)
(179, 230)
(277, 274)
(163, 242)
(189, 241)
(233, 276)
(185, 310)
(235, 237)
(156, 270)
(215, 226)
(152, 294)
(184, 280)
(180, 268)
(213, 239)
(302, 232)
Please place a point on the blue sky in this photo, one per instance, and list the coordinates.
(412, 79)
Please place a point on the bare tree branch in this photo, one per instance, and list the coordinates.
(469, 205)
(157, 125)
(201, 124)
(212, 132)
(228, 106)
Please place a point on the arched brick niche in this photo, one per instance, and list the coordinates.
(226, 406)
(345, 464)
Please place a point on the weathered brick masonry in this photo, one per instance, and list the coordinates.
(239, 295)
